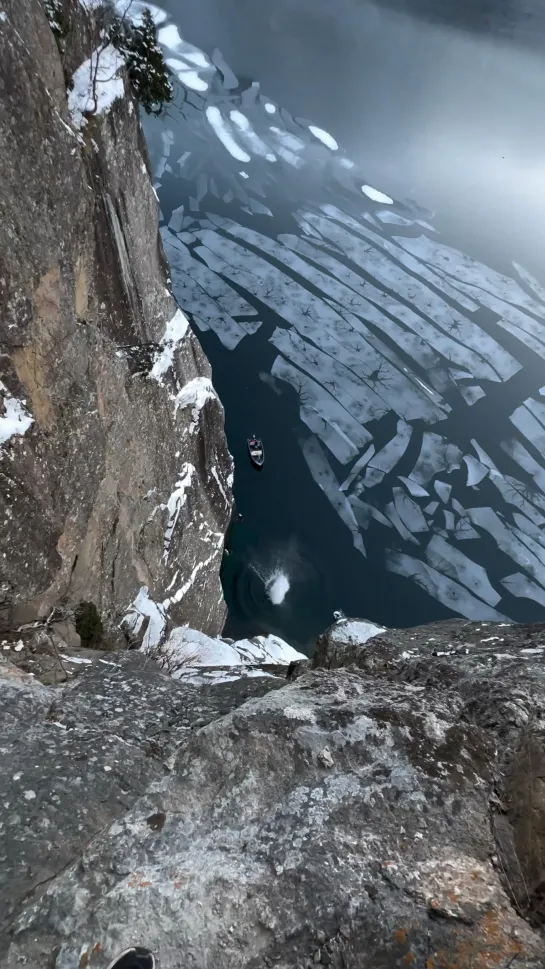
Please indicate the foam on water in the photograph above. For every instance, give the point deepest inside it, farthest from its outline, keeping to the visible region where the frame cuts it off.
(277, 587)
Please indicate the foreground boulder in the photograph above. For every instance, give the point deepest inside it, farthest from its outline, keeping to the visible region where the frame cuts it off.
(386, 815)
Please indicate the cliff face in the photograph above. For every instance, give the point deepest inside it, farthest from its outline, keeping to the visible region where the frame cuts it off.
(388, 814)
(114, 466)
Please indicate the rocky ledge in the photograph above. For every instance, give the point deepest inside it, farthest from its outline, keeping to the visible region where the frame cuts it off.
(385, 813)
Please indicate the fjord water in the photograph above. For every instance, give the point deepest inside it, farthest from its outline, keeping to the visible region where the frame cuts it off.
(358, 241)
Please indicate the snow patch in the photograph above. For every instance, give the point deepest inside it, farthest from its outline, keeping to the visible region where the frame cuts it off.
(16, 419)
(144, 608)
(175, 331)
(96, 84)
(189, 647)
(195, 394)
(351, 632)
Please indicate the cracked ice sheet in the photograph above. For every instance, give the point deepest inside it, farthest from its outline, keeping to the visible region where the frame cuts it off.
(522, 587)
(387, 273)
(319, 322)
(352, 393)
(324, 477)
(386, 459)
(536, 408)
(423, 272)
(449, 348)
(449, 560)
(208, 298)
(436, 455)
(532, 283)
(527, 424)
(475, 470)
(468, 270)
(322, 414)
(518, 453)
(453, 595)
(357, 467)
(409, 511)
(508, 541)
(337, 290)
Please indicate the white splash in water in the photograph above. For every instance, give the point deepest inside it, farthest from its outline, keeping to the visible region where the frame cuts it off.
(277, 587)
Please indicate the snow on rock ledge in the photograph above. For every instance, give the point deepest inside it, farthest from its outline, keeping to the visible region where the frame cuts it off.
(341, 643)
(191, 655)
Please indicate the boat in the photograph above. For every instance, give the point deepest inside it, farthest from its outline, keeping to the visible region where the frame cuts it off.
(256, 452)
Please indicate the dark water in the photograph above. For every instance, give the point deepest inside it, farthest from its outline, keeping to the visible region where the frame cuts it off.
(338, 320)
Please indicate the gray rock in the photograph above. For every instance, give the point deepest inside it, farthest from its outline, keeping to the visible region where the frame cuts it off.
(391, 814)
(67, 633)
(83, 308)
(73, 761)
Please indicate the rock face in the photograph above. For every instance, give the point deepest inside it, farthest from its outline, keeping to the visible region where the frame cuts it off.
(384, 815)
(115, 470)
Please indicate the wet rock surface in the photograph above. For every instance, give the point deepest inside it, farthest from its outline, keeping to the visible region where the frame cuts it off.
(94, 447)
(385, 814)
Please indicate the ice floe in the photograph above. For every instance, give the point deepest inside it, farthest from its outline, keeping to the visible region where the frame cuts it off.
(376, 196)
(224, 133)
(324, 477)
(323, 136)
(450, 593)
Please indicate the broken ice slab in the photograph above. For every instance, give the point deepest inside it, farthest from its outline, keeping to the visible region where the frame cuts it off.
(531, 282)
(529, 426)
(357, 467)
(452, 594)
(508, 541)
(436, 455)
(338, 429)
(364, 512)
(414, 489)
(409, 512)
(464, 530)
(472, 394)
(518, 453)
(230, 81)
(431, 508)
(392, 452)
(394, 517)
(443, 490)
(449, 519)
(176, 219)
(522, 587)
(475, 470)
(451, 561)
(325, 478)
